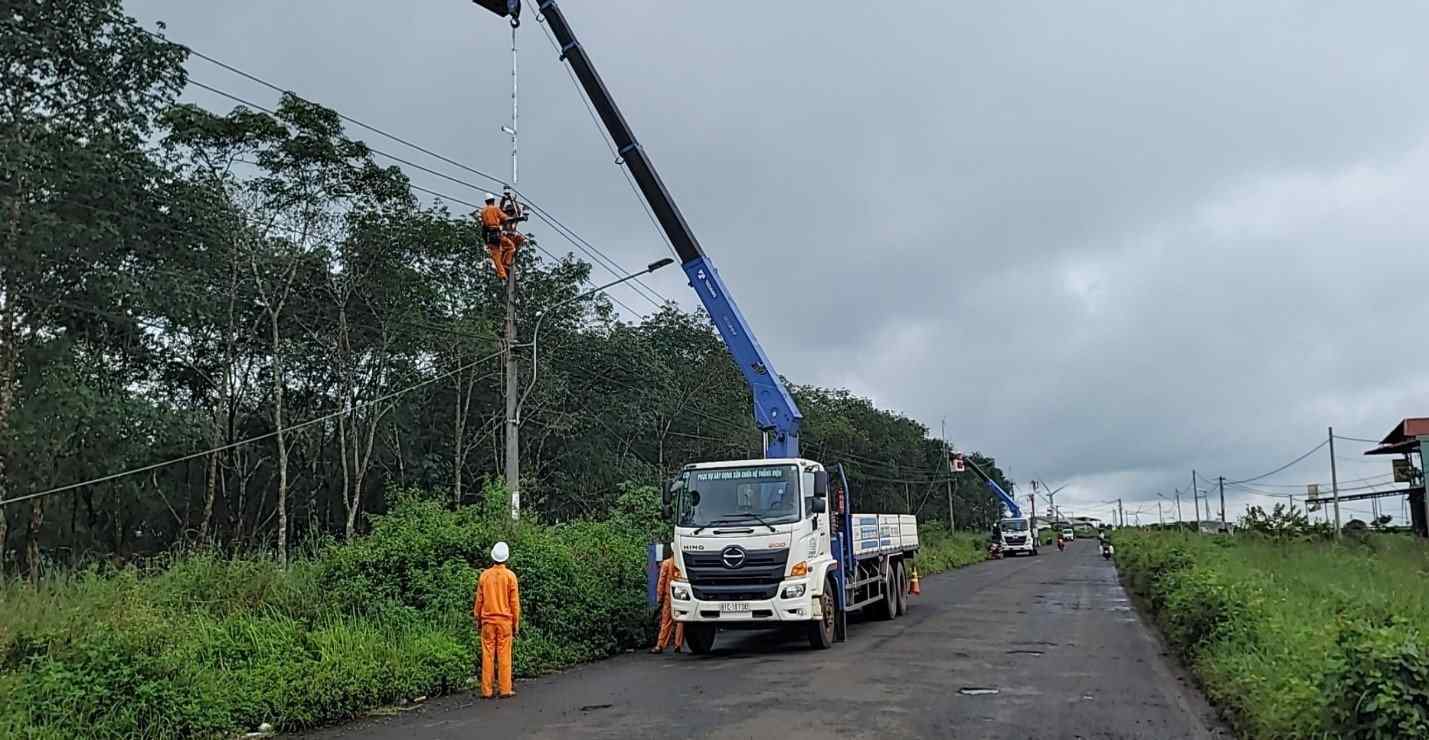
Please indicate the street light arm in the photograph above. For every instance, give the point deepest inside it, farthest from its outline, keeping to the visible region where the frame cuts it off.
(536, 330)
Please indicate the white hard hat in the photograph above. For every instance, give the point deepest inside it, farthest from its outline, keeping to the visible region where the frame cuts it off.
(500, 552)
(489, 196)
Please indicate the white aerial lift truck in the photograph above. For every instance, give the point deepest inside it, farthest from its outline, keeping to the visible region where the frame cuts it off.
(760, 543)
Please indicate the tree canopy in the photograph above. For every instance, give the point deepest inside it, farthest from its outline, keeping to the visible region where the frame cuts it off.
(254, 292)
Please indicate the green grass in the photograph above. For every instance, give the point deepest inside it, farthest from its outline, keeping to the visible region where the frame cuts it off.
(1295, 638)
(942, 550)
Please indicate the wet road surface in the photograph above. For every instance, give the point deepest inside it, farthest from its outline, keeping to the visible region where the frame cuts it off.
(1045, 647)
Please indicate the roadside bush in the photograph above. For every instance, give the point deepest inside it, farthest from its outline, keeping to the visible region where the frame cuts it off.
(1378, 686)
(943, 550)
(1294, 638)
(211, 646)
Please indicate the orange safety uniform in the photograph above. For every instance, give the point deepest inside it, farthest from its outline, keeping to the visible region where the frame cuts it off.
(671, 632)
(497, 610)
(500, 242)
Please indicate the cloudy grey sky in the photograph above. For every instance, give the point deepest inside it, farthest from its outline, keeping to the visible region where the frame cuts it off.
(1109, 242)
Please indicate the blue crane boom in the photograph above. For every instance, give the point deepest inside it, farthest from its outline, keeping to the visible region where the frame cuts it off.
(775, 412)
(1007, 499)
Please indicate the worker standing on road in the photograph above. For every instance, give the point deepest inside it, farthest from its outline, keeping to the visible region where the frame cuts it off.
(494, 231)
(498, 618)
(670, 630)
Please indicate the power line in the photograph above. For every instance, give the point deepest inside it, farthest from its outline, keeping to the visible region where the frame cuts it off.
(570, 234)
(581, 244)
(604, 137)
(441, 195)
(1312, 451)
(1375, 442)
(249, 440)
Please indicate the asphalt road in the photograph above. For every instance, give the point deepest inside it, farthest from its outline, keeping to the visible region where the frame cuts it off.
(1054, 637)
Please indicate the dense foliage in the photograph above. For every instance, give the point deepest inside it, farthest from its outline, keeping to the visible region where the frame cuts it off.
(1293, 638)
(210, 645)
(174, 280)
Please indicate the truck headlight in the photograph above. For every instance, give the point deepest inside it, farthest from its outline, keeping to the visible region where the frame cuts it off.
(794, 592)
(680, 592)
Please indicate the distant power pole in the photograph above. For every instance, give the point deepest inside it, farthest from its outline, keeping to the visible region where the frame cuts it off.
(1221, 481)
(952, 480)
(1159, 519)
(1120, 512)
(1196, 500)
(1178, 509)
(1334, 482)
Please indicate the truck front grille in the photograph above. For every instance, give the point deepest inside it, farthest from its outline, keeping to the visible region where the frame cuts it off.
(756, 579)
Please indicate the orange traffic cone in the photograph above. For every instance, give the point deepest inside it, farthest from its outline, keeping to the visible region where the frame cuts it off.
(913, 587)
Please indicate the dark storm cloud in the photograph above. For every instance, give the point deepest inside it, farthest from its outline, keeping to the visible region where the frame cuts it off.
(1110, 242)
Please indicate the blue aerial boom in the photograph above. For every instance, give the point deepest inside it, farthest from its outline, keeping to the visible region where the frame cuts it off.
(775, 412)
(1007, 500)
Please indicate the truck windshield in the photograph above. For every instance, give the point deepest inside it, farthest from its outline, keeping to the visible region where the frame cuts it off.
(1013, 525)
(730, 495)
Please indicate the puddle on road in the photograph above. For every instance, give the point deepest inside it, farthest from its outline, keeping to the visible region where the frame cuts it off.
(1024, 652)
(973, 691)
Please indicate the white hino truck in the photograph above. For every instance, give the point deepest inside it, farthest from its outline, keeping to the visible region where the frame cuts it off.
(770, 543)
(759, 542)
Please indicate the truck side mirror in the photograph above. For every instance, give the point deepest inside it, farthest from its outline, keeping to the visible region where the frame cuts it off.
(819, 505)
(821, 483)
(666, 499)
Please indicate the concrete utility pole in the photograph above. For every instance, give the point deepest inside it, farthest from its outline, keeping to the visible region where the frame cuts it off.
(1161, 520)
(1121, 513)
(1334, 482)
(513, 424)
(952, 523)
(1221, 481)
(1196, 500)
(1179, 522)
(513, 421)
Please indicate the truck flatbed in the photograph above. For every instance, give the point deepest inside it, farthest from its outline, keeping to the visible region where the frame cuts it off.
(883, 534)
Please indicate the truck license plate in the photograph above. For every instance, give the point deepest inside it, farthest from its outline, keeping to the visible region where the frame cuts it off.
(734, 606)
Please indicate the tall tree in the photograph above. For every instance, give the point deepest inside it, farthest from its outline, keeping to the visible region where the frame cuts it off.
(79, 90)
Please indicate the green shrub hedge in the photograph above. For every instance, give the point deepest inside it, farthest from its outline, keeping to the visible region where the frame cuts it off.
(214, 645)
(1295, 639)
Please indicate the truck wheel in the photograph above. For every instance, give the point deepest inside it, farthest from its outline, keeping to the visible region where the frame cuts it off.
(821, 633)
(700, 637)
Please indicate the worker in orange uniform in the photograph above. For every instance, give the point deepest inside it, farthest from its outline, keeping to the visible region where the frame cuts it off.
(670, 630)
(498, 617)
(496, 234)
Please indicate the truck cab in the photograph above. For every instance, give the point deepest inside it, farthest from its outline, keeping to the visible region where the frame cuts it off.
(768, 543)
(1016, 536)
(752, 541)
